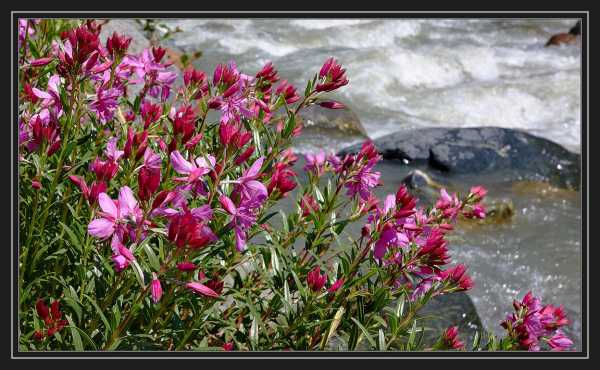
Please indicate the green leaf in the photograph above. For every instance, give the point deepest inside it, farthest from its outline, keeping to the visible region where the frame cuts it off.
(266, 218)
(75, 306)
(152, 258)
(76, 337)
(382, 346)
(476, 340)
(74, 240)
(365, 332)
(115, 345)
(411, 337)
(275, 260)
(286, 226)
(139, 274)
(102, 317)
(335, 323)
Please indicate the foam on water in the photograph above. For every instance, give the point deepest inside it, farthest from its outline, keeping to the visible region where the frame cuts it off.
(413, 73)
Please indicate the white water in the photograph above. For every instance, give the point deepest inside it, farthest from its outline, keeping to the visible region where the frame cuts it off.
(414, 73)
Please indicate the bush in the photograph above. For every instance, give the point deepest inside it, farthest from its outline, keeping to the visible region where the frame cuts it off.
(146, 224)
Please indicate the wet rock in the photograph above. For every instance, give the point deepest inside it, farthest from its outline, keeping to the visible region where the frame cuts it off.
(449, 310)
(482, 150)
(344, 120)
(328, 129)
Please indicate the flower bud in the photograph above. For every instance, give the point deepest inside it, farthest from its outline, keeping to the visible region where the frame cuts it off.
(155, 289)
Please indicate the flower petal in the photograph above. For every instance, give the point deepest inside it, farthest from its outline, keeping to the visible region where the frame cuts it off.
(253, 171)
(228, 204)
(101, 228)
(107, 205)
(180, 164)
(127, 201)
(201, 289)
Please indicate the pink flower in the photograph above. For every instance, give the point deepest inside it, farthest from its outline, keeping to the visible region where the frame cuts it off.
(195, 169)
(560, 342)
(155, 289)
(363, 181)
(477, 193)
(288, 91)
(308, 205)
(252, 192)
(51, 97)
(149, 175)
(186, 266)
(186, 230)
(282, 180)
(335, 286)
(112, 152)
(202, 289)
(228, 346)
(105, 103)
(457, 275)
(332, 105)
(315, 162)
(332, 76)
(243, 218)
(450, 338)
(150, 113)
(315, 280)
(117, 44)
(114, 214)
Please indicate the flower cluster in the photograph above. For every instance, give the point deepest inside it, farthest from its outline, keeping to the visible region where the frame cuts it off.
(52, 318)
(151, 211)
(533, 324)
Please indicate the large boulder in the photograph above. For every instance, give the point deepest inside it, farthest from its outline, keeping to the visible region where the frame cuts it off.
(481, 150)
(456, 309)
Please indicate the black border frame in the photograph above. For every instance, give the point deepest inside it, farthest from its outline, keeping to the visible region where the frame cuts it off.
(583, 15)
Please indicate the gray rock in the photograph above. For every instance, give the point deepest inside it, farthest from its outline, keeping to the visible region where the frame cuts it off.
(449, 310)
(482, 150)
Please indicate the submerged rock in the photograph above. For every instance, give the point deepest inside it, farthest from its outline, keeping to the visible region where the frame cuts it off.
(449, 310)
(328, 129)
(482, 150)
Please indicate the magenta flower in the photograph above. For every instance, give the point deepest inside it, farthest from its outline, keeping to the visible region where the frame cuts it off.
(363, 181)
(186, 266)
(243, 218)
(332, 105)
(51, 97)
(26, 29)
(155, 289)
(332, 76)
(450, 338)
(105, 103)
(288, 91)
(315, 162)
(335, 286)
(114, 215)
(560, 342)
(457, 275)
(252, 192)
(122, 256)
(112, 152)
(202, 289)
(149, 71)
(149, 175)
(194, 170)
(186, 230)
(389, 237)
(315, 280)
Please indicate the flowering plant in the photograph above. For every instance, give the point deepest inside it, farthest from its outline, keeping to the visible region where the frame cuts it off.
(149, 208)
